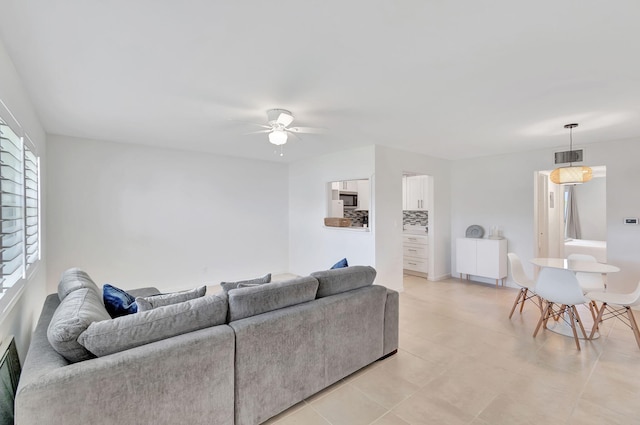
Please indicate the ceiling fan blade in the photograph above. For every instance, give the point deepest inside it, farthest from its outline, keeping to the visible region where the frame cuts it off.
(285, 119)
(309, 130)
(257, 132)
(250, 122)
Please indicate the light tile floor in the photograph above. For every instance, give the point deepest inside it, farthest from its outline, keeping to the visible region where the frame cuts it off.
(462, 361)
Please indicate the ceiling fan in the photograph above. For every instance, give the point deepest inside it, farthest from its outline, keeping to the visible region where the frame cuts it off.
(278, 122)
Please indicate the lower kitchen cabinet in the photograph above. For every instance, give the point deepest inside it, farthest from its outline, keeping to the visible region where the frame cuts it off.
(415, 254)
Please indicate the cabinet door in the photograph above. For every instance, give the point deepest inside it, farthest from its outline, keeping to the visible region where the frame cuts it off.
(491, 258)
(466, 256)
(363, 194)
(413, 193)
(349, 186)
(424, 192)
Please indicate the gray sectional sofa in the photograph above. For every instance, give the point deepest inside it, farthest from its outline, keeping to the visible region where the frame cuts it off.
(278, 344)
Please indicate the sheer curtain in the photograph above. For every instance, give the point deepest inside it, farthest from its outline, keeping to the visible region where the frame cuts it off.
(572, 221)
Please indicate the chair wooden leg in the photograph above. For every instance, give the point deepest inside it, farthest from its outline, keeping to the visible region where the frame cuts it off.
(563, 309)
(516, 303)
(524, 298)
(540, 304)
(542, 319)
(579, 320)
(634, 325)
(593, 308)
(573, 327)
(598, 320)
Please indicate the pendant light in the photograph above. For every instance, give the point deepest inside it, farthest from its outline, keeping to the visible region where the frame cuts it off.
(571, 174)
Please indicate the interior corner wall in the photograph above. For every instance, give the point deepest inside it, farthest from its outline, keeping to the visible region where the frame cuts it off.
(389, 165)
(21, 318)
(498, 191)
(134, 216)
(312, 246)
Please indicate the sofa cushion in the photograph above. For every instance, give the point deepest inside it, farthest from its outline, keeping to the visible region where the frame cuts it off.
(227, 286)
(117, 301)
(340, 264)
(74, 279)
(251, 301)
(149, 303)
(73, 316)
(122, 333)
(335, 281)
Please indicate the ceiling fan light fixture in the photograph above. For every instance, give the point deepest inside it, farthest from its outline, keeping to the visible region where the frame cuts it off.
(279, 117)
(571, 174)
(278, 137)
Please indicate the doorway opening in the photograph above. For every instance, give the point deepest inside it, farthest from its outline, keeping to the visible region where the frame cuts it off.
(571, 219)
(417, 224)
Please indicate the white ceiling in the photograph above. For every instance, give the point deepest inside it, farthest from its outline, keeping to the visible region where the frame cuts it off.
(451, 79)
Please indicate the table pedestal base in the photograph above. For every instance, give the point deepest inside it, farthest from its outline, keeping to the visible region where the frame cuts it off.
(563, 328)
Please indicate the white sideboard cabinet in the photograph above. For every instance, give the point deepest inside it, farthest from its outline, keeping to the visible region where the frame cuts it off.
(482, 257)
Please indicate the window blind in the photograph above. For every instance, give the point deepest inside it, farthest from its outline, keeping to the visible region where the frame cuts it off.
(19, 207)
(31, 207)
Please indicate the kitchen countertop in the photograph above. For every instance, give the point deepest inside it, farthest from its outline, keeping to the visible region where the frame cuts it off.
(414, 230)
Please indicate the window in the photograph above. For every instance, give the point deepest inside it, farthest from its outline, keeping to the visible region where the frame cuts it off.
(19, 207)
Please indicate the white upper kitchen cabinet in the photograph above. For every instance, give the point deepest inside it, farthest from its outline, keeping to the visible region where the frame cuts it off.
(363, 194)
(416, 193)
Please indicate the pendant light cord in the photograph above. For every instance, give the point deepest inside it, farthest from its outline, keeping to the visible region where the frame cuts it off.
(570, 127)
(571, 147)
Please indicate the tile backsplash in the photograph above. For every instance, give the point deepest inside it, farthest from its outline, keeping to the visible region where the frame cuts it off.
(357, 216)
(415, 218)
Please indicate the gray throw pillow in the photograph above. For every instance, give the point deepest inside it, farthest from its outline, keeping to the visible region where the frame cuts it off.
(125, 332)
(74, 279)
(246, 302)
(227, 286)
(75, 313)
(155, 301)
(335, 281)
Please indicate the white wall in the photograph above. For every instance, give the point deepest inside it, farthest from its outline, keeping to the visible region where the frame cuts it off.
(132, 215)
(390, 164)
(498, 190)
(20, 319)
(591, 198)
(312, 246)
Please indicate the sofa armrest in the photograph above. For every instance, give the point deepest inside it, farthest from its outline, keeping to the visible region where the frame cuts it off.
(184, 379)
(391, 322)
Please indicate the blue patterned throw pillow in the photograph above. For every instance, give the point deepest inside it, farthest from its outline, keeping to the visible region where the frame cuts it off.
(118, 302)
(340, 264)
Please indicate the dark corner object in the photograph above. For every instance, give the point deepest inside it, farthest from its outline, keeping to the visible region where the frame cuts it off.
(9, 376)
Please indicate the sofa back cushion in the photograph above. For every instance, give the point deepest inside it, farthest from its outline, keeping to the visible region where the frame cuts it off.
(74, 279)
(125, 332)
(339, 280)
(160, 300)
(251, 301)
(227, 286)
(75, 313)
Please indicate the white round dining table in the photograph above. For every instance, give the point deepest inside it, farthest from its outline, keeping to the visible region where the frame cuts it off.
(575, 265)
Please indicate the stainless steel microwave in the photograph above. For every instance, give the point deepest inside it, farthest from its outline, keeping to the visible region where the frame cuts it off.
(350, 200)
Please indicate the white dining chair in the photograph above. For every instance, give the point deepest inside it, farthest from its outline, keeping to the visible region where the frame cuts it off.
(617, 305)
(589, 281)
(561, 292)
(527, 285)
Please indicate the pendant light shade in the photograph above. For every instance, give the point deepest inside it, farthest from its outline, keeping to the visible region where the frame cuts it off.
(571, 174)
